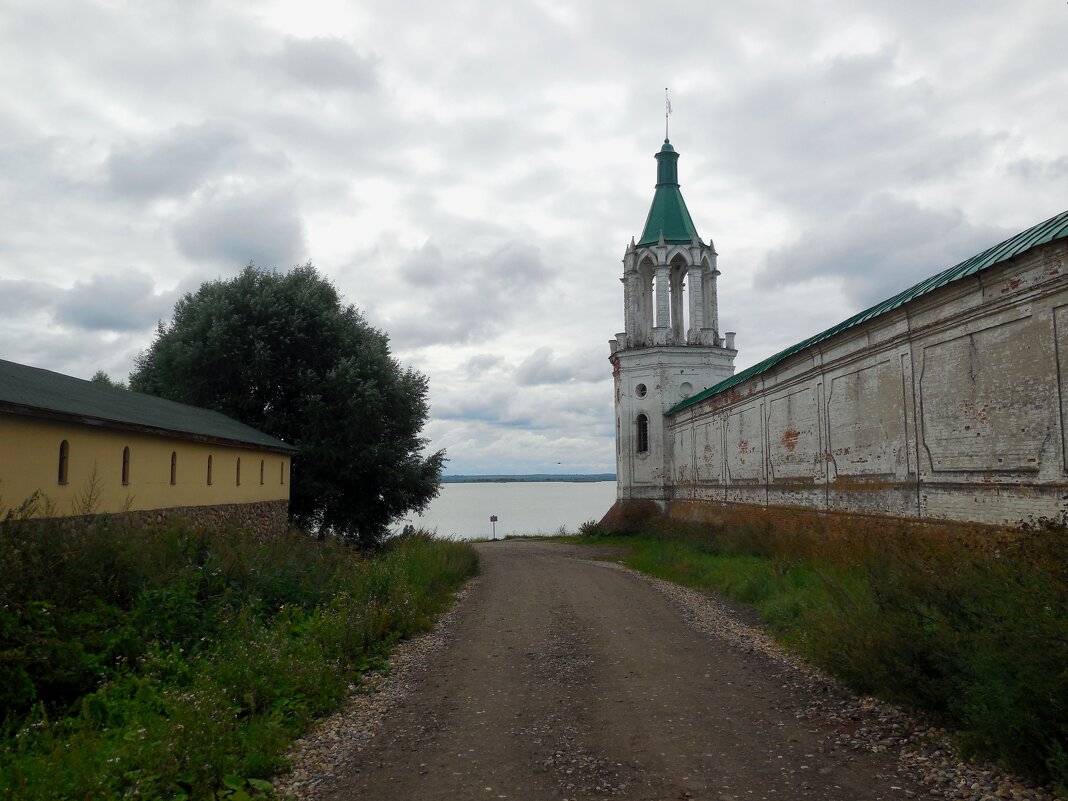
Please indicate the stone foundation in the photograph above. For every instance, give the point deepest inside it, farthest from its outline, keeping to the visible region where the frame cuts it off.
(639, 515)
(629, 514)
(264, 518)
(788, 518)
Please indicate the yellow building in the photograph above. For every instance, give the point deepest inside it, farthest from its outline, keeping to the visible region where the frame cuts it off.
(88, 448)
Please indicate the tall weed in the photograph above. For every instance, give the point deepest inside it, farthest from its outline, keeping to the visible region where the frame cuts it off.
(169, 662)
(968, 624)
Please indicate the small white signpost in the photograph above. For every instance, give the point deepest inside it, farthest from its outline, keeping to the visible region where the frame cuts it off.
(493, 520)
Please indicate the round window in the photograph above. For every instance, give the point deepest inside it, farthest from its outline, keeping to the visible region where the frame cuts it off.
(686, 389)
(640, 390)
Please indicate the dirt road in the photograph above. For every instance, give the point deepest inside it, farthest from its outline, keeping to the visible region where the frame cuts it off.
(565, 678)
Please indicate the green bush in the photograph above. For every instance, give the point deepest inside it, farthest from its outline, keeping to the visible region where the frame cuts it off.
(591, 529)
(178, 662)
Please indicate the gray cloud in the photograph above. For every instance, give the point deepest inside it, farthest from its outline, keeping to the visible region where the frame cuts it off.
(564, 410)
(881, 248)
(20, 298)
(81, 356)
(1039, 169)
(125, 302)
(540, 367)
(572, 409)
(262, 226)
(428, 267)
(821, 138)
(480, 364)
(463, 297)
(327, 63)
(487, 406)
(175, 163)
(104, 303)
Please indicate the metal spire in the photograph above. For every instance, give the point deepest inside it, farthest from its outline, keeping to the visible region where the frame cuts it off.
(667, 111)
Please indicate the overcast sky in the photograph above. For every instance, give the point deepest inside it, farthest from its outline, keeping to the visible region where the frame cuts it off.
(469, 173)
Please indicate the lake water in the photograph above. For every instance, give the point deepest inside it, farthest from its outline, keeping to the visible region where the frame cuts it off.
(462, 511)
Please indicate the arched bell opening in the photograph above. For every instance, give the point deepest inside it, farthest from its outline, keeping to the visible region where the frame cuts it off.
(646, 300)
(709, 299)
(679, 306)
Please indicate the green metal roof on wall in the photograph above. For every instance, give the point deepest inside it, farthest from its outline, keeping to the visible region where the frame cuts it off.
(668, 214)
(1048, 231)
(31, 389)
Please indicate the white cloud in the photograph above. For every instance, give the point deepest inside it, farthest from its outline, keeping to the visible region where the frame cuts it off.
(472, 187)
(879, 248)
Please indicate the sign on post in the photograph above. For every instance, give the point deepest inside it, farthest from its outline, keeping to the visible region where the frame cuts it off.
(493, 520)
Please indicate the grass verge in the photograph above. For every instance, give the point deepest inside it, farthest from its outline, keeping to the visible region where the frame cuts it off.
(179, 662)
(970, 627)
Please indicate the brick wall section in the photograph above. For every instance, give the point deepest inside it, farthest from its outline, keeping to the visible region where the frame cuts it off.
(954, 406)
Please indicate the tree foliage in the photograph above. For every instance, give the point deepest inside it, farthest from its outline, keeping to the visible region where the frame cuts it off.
(100, 377)
(281, 353)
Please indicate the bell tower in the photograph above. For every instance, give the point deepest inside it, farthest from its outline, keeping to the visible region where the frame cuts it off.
(671, 346)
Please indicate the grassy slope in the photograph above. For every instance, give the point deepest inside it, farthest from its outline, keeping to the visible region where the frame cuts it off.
(180, 663)
(977, 636)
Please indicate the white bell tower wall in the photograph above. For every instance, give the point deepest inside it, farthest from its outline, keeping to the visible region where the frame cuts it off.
(670, 349)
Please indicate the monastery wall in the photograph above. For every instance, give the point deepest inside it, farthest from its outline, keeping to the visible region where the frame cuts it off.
(953, 406)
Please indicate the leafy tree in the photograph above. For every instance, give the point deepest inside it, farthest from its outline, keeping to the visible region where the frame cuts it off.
(281, 353)
(100, 377)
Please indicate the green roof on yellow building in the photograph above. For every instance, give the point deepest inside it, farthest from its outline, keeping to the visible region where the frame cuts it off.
(42, 393)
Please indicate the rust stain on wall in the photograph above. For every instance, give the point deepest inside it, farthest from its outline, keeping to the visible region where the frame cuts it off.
(975, 411)
(789, 440)
(1010, 285)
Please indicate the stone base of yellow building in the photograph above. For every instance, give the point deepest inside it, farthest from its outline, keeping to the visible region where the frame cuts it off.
(264, 518)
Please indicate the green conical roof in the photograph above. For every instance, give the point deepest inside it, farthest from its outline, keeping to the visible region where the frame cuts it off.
(668, 214)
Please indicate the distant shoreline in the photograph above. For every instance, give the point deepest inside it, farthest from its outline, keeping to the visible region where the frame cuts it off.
(506, 479)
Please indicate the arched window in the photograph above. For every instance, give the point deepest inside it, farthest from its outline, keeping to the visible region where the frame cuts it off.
(643, 433)
(64, 459)
(238, 471)
(174, 468)
(261, 472)
(209, 469)
(125, 466)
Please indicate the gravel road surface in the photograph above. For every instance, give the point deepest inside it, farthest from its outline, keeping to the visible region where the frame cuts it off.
(561, 677)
